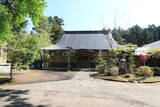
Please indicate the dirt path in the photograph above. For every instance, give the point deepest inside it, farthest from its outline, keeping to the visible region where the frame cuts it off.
(36, 76)
(81, 91)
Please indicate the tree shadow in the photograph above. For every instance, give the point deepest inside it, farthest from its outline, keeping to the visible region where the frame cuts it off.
(13, 96)
(5, 80)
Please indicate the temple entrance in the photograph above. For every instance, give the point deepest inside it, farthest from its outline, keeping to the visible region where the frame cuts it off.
(84, 58)
(83, 62)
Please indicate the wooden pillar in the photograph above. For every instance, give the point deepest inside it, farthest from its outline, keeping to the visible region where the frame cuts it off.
(89, 60)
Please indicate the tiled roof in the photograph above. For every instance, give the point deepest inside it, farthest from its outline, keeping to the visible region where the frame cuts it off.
(93, 40)
(144, 49)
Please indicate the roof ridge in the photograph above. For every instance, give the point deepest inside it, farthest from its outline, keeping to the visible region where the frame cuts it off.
(84, 32)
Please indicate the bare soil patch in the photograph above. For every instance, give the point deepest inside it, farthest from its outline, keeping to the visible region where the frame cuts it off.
(35, 76)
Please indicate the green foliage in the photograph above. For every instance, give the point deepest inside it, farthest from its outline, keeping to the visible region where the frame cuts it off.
(124, 49)
(106, 65)
(154, 52)
(43, 39)
(52, 26)
(117, 35)
(112, 64)
(24, 67)
(125, 52)
(100, 57)
(13, 14)
(108, 68)
(5, 28)
(113, 71)
(137, 35)
(144, 71)
(23, 51)
(101, 66)
(156, 71)
(56, 29)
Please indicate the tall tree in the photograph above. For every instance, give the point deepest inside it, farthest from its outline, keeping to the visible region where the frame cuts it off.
(52, 26)
(13, 15)
(118, 35)
(154, 30)
(135, 35)
(56, 28)
(23, 50)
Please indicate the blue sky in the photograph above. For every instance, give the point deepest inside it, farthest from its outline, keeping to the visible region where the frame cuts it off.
(95, 14)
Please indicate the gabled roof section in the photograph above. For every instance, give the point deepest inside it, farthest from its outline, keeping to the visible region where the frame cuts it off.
(153, 45)
(93, 40)
(144, 49)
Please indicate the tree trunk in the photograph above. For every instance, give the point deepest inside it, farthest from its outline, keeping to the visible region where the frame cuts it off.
(11, 72)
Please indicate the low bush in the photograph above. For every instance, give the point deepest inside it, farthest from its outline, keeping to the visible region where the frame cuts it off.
(144, 71)
(24, 67)
(100, 68)
(156, 71)
(112, 71)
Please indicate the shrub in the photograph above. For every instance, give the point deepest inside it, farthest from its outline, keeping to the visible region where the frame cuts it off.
(112, 71)
(142, 58)
(156, 71)
(144, 71)
(100, 68)
(24, 67)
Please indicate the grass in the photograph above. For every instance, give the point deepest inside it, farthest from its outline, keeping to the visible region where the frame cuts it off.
(152, 80)
(127, 78)
(4, 74)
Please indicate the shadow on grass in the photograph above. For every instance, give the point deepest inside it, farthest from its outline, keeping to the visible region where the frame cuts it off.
(16, 100)
(5, 80)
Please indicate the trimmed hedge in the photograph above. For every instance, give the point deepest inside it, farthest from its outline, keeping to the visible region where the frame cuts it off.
(144, 71)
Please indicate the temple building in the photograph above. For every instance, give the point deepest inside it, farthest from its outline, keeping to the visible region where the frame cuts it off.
(77, 49)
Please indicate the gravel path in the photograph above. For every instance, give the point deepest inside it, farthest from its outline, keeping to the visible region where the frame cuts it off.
(81, 91)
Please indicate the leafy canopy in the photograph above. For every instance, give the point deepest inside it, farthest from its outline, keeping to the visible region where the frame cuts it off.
(137, 35)
(13, 14)
(24, 50)
(52, 26)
